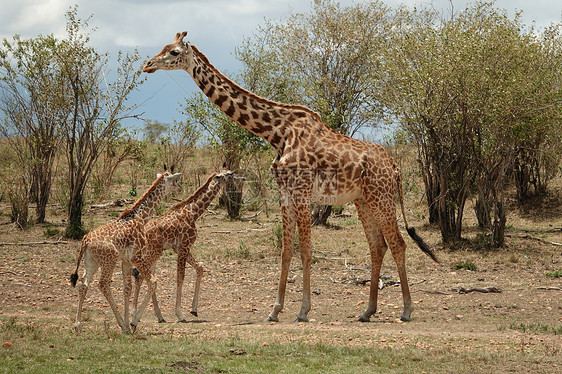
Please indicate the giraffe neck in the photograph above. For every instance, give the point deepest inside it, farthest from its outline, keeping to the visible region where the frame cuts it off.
(145, 207)
(269, 120)
(197, 203)
(198, 206)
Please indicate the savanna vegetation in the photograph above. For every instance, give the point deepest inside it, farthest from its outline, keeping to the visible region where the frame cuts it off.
(471, 103)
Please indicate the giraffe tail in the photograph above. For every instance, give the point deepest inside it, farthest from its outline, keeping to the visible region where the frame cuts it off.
(74, 276)
(412, 231)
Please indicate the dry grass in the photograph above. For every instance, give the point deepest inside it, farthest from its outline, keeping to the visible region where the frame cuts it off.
(517, 330)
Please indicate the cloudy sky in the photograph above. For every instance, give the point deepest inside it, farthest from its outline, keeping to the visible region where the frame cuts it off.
(217, 27)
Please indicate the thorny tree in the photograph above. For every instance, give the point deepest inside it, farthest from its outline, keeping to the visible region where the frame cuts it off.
(34, 109)
(97, 109)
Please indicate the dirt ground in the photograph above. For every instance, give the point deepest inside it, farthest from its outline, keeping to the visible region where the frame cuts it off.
(242, 269)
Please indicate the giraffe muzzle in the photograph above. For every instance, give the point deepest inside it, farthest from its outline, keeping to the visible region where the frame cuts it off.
(148, 68)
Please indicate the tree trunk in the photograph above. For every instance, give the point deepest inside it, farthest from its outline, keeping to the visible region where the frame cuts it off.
(522, 173)
(450, 213)
(232, 199)
(482, 210)
(19, 201)
(320, 215)
(498, 230)
(74, 228)
(431, 183)
(43, 199)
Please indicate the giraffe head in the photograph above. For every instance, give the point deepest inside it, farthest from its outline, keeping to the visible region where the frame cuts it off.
(170, 180)
(173, 57)
(227, 176)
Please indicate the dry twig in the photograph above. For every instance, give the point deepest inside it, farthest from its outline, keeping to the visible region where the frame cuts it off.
(37, 243)
(527, 236)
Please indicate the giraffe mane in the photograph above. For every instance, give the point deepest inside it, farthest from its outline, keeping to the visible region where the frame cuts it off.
(195, 195)
(261, 99)
(127, 213)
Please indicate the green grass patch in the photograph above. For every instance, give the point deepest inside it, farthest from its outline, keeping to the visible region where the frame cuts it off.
(48, 347)
(555, 274)
(49, 232)
(466, 265)
(536, 328)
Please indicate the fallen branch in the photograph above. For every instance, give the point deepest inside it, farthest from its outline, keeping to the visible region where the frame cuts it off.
(250, 217)
(548, 288)
(114, 203)
(237, 231)
(341, 215)
(13, 273)
(527, 236)
(37, 243)
(463, 290)
(438, 292)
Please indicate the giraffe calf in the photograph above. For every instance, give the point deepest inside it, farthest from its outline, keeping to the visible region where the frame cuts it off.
(176, 230)
(105, 245)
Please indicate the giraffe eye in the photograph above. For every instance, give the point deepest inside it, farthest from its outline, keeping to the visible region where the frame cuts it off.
(174, 53)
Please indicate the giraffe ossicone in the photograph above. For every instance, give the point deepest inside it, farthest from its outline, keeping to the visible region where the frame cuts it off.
(306, 148)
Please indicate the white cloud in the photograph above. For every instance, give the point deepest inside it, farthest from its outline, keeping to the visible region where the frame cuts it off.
(31, 17)
(216, 26)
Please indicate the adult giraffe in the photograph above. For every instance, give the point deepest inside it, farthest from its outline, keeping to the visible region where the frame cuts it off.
(314, 164)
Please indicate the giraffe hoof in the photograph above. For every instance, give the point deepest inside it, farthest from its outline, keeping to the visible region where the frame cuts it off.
(405, 319)
(271, 319)
(161, 320)
(364, 319)
(194, 312)
(301, 319)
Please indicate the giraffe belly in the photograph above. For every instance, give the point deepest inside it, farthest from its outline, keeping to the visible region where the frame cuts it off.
(334, 196)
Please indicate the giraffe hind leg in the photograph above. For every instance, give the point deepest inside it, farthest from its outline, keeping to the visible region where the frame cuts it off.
(90, 268)
(384, 211)
(303, 220)
(398, 250)
(105, 288)
(377, 247)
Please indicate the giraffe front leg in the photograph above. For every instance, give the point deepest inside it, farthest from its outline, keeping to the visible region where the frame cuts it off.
(179, 285)
(199, 275)
(127, 288)
(303, 219)
(155, 305)
(136, 290)
(138, 283)
(151, 281)
(289, 224)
